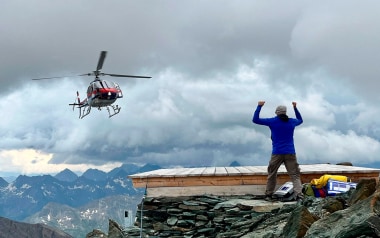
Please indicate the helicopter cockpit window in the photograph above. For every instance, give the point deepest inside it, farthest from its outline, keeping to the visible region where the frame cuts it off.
(98, 84)
(89, 90)
(108, 84)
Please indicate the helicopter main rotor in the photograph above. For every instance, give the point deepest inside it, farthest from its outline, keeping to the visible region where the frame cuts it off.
(102, 56)
(98, 72)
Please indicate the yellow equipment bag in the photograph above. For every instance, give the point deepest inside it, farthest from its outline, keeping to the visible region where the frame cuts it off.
(322, 181)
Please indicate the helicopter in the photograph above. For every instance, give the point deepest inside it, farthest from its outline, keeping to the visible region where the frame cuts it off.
(100, 93)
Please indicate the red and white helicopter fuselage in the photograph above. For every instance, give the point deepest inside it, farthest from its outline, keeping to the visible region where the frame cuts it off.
(100, 93)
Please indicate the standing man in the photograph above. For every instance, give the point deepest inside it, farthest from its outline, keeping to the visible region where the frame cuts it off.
(283, 151)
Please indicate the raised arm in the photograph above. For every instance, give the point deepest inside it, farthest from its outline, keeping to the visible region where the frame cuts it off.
(298, 114)
(256, 116)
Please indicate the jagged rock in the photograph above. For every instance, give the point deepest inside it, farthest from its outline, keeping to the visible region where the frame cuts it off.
(201, 218)
(231, 234)
(200, 223)
(132, 232)
(232, 211)
(299, 222)
(96, 234)
(256, 205)
(194, 203)
(206, 230)
(364, 189)
(333, 204)
(268, 225)
(10, 228)
(114, 230)
(159, 226)
(173, 211)
(212, 200)
(150, 207)
(188, 215)
(218, 219)
(192, 207)
(172, 220)
(158, 214)
(360, 220)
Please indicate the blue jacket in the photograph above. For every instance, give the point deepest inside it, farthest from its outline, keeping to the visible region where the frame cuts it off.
(282, 131)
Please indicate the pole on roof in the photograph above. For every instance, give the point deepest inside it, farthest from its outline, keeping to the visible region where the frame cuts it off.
(141, 211)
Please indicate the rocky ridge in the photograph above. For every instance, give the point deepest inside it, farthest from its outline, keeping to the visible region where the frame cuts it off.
(353, 214)
(11, 229)
(27, 195)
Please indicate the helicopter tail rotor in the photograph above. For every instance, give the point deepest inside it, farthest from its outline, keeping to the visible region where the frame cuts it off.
(80, 105)
(76, 101)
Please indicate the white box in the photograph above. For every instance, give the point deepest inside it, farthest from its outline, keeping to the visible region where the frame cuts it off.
(285, 190)
(339, 186)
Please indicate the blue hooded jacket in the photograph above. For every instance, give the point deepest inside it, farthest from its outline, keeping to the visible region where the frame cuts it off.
(282, 129)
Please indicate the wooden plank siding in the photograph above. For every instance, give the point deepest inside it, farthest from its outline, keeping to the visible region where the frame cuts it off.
(248, 178)
(220, 176)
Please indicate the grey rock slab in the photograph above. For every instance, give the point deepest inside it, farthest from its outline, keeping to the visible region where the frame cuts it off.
(257, 205)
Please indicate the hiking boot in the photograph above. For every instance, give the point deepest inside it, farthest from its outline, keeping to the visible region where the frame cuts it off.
(269, 198)
(299, 199)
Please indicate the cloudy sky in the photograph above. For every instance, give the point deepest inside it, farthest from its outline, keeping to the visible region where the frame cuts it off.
(210, 62)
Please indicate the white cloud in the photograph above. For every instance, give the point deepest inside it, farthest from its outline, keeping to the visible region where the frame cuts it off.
(341, 36)
(30, 161)
(314, 144)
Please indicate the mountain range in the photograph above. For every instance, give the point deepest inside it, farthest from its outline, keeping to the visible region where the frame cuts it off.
(71, 203)
(28, 195)
(81, 220)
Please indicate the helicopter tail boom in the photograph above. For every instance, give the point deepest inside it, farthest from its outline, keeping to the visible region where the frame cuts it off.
(81, 106)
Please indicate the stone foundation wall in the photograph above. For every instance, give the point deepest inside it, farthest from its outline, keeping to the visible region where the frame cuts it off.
(352, 214)
(204, 216)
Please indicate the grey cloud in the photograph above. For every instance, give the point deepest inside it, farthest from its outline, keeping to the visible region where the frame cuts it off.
(342, 37)
(210, 62)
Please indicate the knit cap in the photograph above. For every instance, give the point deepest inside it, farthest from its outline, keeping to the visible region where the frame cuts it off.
(280, 110)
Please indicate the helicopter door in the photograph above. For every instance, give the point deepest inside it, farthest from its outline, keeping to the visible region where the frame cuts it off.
(90, 90)
(119, 93)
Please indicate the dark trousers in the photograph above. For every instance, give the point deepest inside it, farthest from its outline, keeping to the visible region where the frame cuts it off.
(292, 167)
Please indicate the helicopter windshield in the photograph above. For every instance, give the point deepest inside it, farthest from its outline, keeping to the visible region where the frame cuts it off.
(104, 84)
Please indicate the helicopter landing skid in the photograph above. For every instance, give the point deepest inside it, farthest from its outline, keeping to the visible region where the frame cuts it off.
(84, 112)
(115, 108)
(112, 110)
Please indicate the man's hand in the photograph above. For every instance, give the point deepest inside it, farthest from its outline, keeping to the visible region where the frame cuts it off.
(294, 104)
(261, 103)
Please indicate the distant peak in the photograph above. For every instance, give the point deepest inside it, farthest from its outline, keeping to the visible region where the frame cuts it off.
(66, 175)
(234, 164)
